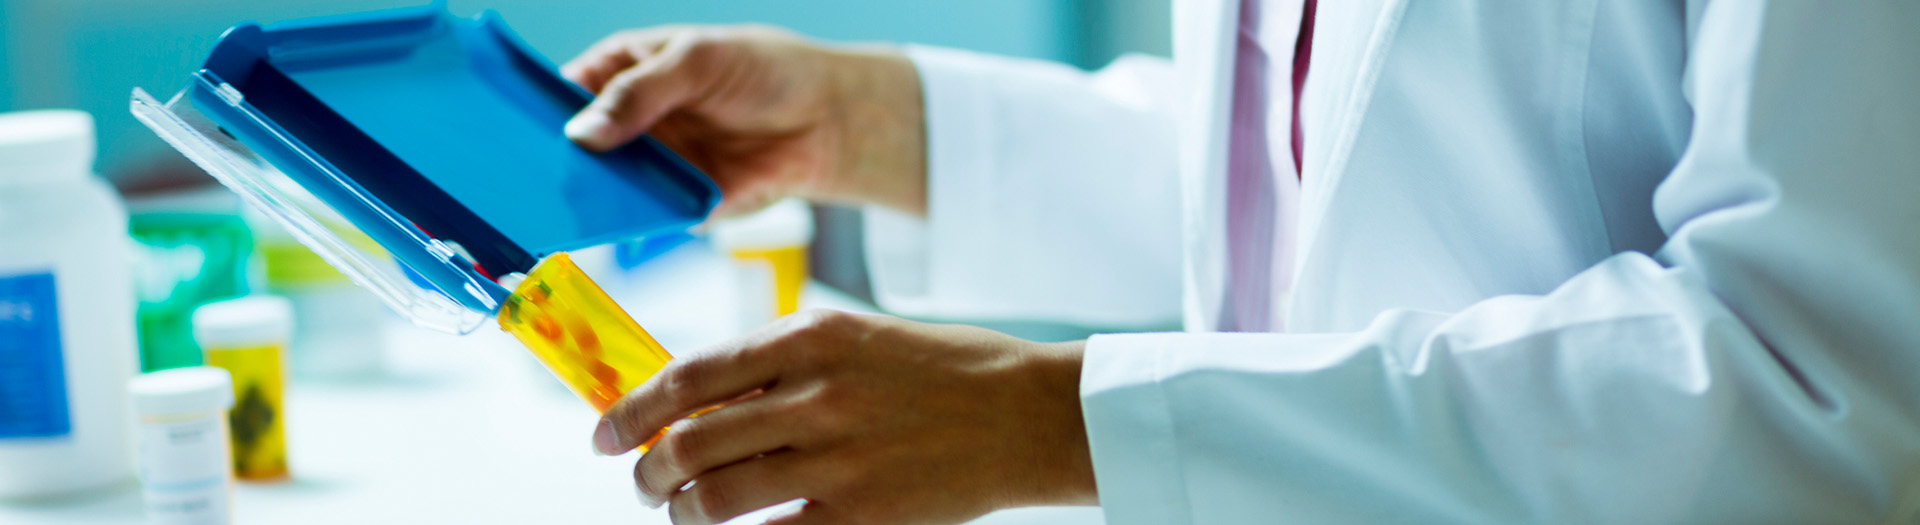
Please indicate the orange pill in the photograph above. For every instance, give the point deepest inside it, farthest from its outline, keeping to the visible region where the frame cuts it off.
(579, 333)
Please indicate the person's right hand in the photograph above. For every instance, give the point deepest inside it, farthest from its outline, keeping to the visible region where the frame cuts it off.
(766, 114)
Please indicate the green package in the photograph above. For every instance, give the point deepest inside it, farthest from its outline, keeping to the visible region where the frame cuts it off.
(186, 259)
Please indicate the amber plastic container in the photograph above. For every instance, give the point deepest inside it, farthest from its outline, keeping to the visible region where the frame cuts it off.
(579, 333)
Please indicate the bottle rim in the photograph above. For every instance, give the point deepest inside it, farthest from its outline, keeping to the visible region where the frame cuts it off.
(38, 145)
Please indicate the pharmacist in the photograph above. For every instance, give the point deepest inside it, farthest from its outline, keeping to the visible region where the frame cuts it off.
(1589, 261)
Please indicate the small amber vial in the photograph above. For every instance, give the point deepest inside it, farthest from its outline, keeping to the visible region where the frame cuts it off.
(579, 333)
(769, 251)
(248, 337)
(789, 265)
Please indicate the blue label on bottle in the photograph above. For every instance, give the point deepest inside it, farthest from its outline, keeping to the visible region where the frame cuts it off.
(33, 376)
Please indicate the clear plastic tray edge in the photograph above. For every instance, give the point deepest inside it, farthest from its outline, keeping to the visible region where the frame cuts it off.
(257, 182)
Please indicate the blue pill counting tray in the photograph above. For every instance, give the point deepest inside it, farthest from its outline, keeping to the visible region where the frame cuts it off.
(437, 137)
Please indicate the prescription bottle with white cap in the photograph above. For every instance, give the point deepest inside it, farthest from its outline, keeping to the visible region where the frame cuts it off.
(248, 337)
(67, 341)
(185, 474)
(769, 253)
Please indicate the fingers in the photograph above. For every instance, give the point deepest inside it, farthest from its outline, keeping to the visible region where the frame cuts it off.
(639, 96)
(743, 487)
(742, 202)
(738, 432)
(615, 53)
(592, 69)
(687, 385)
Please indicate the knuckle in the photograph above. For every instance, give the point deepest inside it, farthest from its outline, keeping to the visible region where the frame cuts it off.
(830, 318)
(680, 384)
(705, 46)
(824, 338)
(834, 396)
(645, 482)
(810, 318)
(679, 511)
(686, 443)
(619, 95)
(835, 406)
(794, 331)
(817, 322)
(711, 500)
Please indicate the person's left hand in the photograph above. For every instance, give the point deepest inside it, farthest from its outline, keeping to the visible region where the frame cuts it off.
(871, 419)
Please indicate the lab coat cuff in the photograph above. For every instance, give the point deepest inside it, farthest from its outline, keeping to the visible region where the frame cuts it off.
(1130, 429)
(905, 253)
(896, 252)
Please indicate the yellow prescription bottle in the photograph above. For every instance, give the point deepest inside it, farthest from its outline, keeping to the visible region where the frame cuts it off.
(248, 337)
(579, 333)
(769, 252)
(581, 336)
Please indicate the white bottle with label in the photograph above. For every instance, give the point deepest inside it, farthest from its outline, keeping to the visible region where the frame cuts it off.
(67, 343)
(186, 463)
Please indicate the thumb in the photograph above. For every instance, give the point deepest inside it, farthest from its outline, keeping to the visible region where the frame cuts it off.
(638, 97)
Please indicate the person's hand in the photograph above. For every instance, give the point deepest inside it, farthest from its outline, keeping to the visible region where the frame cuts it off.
(871, 419)
(766, 114)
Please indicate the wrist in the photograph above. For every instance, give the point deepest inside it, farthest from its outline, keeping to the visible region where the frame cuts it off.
(1067, 465)
(879, 113)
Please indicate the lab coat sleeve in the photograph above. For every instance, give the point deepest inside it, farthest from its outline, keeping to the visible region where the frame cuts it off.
(1760, 368)
(1052, 194)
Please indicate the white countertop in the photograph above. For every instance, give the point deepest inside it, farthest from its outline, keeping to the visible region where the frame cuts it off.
(470, 429)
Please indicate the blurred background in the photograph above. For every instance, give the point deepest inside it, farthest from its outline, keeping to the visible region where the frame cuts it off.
(370, 401)
(88, 54)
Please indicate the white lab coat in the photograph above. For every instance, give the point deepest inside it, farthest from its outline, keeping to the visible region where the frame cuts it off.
(1572, 261)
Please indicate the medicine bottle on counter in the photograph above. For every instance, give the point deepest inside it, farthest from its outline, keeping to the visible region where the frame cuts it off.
(67, 341)
(769, 253)
(248, 337)
(185, 473)
(338, 328)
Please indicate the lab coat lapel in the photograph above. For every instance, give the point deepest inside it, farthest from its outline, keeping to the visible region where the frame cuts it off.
(1203, 54)
(1350, 44)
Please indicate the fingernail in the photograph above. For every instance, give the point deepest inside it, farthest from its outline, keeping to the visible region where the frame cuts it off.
(589, 127)
(605, 440)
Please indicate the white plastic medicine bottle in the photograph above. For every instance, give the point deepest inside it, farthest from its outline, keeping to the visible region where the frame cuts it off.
(185, 475)
(66, 311)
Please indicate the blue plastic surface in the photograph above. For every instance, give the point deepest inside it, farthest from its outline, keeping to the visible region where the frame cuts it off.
(451, 125)
(631, 254)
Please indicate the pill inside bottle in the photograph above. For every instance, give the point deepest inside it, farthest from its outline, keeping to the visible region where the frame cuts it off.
(579, 333)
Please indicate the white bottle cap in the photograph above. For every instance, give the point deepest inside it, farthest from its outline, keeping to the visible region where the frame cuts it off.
(254, 320)
(785, 224)
(181, 391)
(45, 143)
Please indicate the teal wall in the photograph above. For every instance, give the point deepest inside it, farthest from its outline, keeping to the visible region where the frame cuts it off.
(89, 54)
(6, 80)
(1020, 27)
